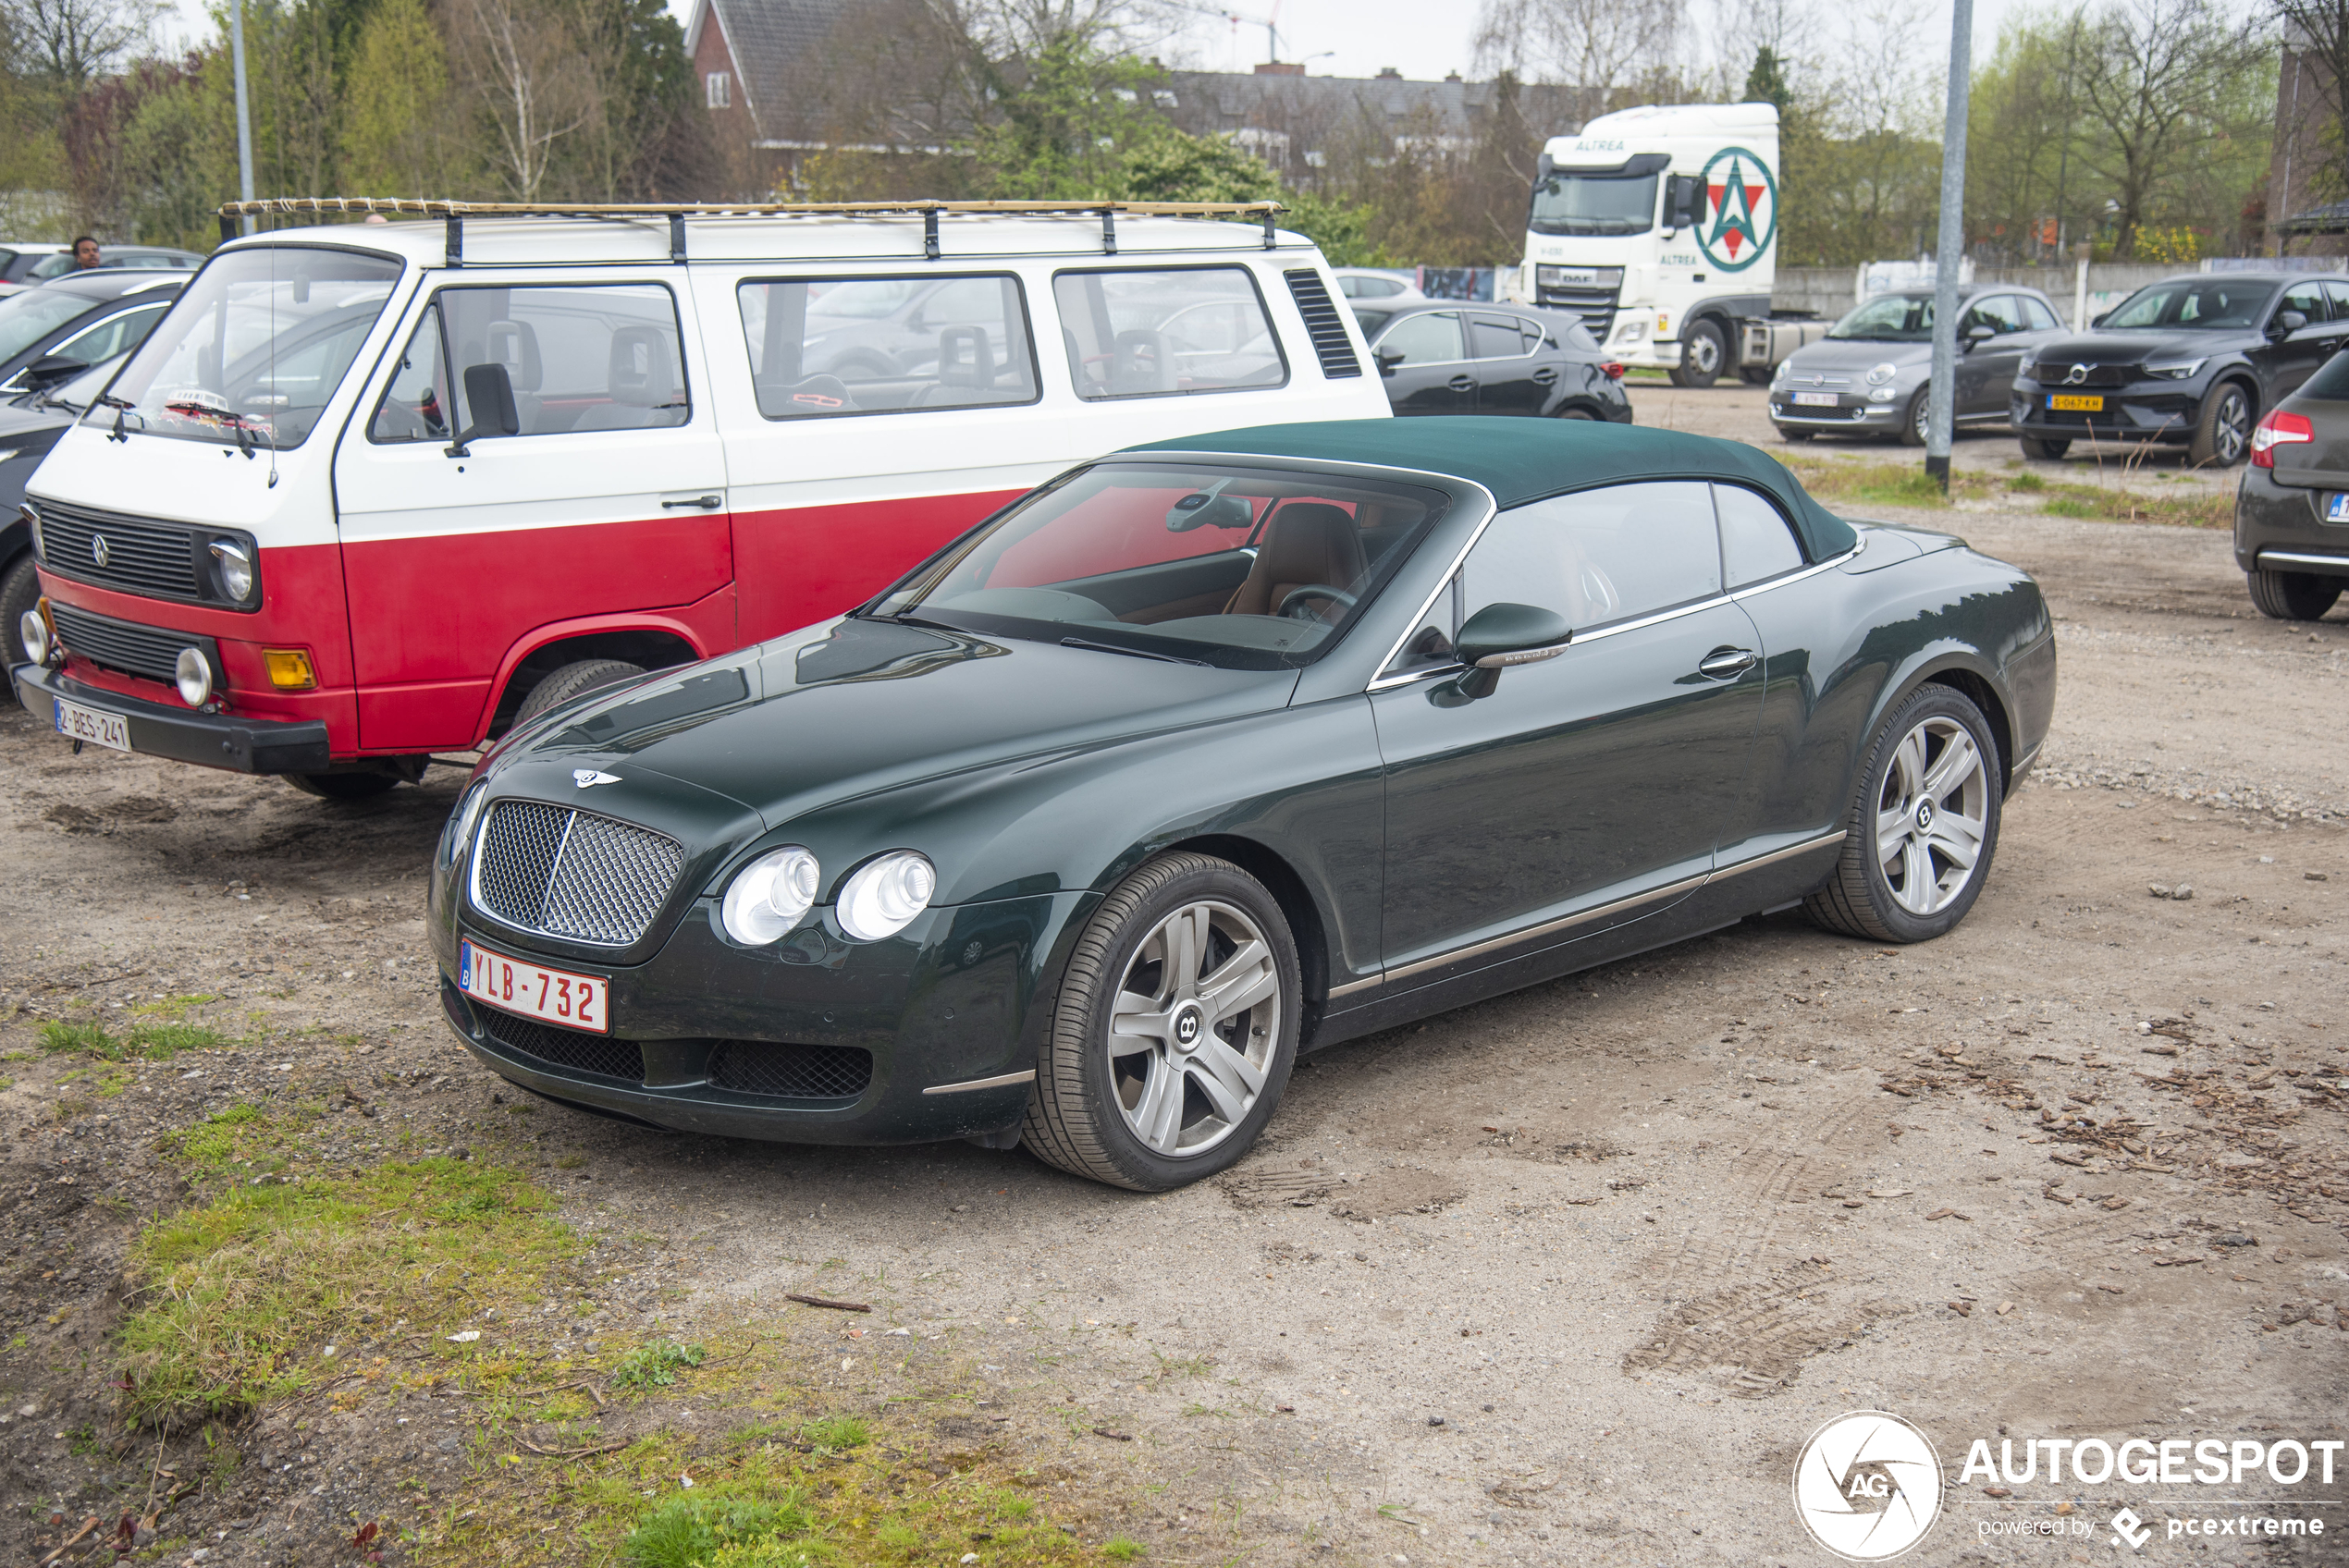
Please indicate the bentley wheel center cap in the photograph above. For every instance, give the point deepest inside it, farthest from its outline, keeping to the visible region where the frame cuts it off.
(1189, 1024)
(1924, 816)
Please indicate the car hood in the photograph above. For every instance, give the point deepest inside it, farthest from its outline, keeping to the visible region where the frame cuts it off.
(856, 706)
(2137, 348)
(19, 424)
(1854, 356)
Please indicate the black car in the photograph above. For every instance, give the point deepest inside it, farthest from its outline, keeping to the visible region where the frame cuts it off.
(2292, 508)
(1456, 359)
(77, 322)
(30, 265)
(1203, 755)
(2189, 362)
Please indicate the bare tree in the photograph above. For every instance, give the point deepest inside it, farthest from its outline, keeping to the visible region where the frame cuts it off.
(74, 41)
(529, 71)
(1606, 44)
(2159, 78)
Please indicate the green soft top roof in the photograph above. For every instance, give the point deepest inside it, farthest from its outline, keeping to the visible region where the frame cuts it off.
(1525, 459)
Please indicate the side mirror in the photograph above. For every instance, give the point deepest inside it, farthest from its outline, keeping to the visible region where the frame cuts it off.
(1683, 201)
(1388, 360)
(1980, 332)
(2287, 323)
(48, 370)
(1500, 635)
(2098, 319)
(489, 393)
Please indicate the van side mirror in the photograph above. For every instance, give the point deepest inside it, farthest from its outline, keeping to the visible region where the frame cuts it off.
(1683, 201)
(489, 393)
(1504, 634)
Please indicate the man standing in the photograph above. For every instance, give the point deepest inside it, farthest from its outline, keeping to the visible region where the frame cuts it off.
(85, 254)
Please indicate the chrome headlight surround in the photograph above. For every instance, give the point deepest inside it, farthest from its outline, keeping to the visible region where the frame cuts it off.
(772, 895)
(2176, 369)
(1882, 373)
(884, 895)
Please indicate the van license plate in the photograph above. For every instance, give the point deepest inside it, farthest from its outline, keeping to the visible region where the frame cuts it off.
(2072, 402)
(2337, 508)
(78, 723)
(573, 1001)
(1815, 399)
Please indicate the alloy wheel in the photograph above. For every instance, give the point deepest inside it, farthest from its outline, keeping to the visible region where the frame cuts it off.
(2231, 432)
(1194, 1028)
(1931, 814)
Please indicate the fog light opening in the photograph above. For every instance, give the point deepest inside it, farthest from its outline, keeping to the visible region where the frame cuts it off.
(194, 673)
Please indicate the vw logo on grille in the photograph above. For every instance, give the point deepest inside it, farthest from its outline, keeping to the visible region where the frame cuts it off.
(100, 551)
(2076, 375)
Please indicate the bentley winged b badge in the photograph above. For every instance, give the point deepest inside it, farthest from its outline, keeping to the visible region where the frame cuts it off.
(587, 778)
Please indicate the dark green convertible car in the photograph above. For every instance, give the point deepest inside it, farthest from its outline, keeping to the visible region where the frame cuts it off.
(1203, 755)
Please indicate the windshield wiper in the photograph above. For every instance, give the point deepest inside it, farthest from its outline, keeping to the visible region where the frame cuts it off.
(1131, 653)
(120, 407)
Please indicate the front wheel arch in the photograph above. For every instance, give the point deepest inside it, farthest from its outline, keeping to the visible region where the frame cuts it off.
(1307, 926)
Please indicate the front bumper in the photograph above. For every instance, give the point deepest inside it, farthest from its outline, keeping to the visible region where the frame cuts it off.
(2281, 527)
(207, 740)
(1852, 412)
(928, 1037)
(2138, 412)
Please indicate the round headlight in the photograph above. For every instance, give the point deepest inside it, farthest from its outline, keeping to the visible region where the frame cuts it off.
(459, 832)
(235, 568)
(1881, 373)
(33, 632)
(886, 894)
(768, 896)
(194, 674)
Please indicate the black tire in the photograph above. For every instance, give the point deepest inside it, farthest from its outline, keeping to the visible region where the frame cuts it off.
(2292, 595)
(1913, 422)
(2222, 435)
(2043, 450)
(1785, 434)
(343, 786)
(1755, 375)
(570, 680)
(1704, 354)
(1576, 412)
(1077, 1115)
(19, 591)
(1859, 899)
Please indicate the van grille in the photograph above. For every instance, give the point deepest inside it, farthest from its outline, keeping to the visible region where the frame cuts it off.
(573, 1049)
(1322, 325)
(119, 644)
(141, 556)
(572, 874)
(791, 1071)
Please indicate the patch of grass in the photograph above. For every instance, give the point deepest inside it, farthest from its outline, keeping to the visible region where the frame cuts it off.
(155, 1040)
(2126, 499)
(837, 1434)
(714, 1526)
(171, 1009)
(2026, 481)
(2071, 505)
(60, 1034)
(1121, 1549)
(655, 1365)
(241, 1291)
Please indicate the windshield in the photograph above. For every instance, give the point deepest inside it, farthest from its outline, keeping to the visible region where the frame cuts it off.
(1243, 568)
(1889, 318)
(255, 347)
(2196, 306)
(1593, 204)
(28, 317)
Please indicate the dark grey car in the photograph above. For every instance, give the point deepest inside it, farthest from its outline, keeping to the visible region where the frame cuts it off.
(1437, 357)
(1867, 377)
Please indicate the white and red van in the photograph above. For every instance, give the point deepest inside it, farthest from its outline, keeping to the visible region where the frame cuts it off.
(372, 489)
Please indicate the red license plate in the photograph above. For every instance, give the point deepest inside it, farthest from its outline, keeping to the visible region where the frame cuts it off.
(513, 984)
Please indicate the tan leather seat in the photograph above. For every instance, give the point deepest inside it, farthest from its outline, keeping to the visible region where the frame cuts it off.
(1307, 542)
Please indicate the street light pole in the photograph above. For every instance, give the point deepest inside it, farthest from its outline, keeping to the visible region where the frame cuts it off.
(244, 115)
(1941, 398)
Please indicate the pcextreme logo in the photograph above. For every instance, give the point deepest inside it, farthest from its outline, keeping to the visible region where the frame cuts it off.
(1867, 1486)
(1742, 200)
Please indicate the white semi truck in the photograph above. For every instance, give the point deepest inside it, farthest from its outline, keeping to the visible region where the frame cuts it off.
(1659, 227)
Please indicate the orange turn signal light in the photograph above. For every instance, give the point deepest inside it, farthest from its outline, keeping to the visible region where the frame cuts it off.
(289, 669)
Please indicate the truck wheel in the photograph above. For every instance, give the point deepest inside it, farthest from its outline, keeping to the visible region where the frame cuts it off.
(570, 680)
(2222, 435)
(19, 591)
(2292, 595)
(342, 786)
(1703, 354)
(2046, 451)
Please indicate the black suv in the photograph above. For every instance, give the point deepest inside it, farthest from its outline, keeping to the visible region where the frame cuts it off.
(2188, 362)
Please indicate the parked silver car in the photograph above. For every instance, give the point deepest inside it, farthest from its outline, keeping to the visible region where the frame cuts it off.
(1868, 375)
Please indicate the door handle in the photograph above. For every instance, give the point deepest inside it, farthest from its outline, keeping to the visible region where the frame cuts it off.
(1547, 375)
(707, 503)
(1462, 384)
(1726, 664)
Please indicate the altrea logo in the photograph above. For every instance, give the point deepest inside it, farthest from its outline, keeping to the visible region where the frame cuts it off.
(1867, 1486)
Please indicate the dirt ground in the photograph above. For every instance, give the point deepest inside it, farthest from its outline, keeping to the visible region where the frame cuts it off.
(1566, 1277)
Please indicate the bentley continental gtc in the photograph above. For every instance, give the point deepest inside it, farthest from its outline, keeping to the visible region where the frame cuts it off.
(1208, 754)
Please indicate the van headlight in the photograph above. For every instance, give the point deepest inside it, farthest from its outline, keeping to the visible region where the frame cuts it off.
(885, 894)
(771, 894)
(235, 568)
(193, 673)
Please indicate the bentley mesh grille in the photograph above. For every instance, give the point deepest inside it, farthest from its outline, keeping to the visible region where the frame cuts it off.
(142, 557)
(566, 873)
(805, 1072)
(573, 1049)
(1322, 325)
(119, 644)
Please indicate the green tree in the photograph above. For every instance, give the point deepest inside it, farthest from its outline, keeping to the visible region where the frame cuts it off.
(1767, 83)
(395, 133)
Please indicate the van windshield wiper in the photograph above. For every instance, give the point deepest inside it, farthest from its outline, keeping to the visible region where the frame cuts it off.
(120, 406)
(1131, 653)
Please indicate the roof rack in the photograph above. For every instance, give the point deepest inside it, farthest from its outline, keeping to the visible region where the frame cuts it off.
(455, 213)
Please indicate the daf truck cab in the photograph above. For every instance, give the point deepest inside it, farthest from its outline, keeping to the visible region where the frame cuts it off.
(1659, 227)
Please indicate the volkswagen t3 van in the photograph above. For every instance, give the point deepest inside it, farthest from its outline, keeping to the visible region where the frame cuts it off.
(372, 492)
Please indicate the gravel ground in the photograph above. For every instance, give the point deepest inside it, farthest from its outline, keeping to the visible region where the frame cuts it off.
(1566, 1277)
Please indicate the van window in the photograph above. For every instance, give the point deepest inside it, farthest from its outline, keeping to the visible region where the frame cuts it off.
(820, 347)
(1165, 330)
(580, 359)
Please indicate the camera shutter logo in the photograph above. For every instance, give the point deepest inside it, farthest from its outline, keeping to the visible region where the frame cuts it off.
(1867, 1486)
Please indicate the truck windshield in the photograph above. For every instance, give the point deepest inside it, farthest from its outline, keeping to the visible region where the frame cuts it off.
(1889, 318)
(1593, 204)
(253, 348)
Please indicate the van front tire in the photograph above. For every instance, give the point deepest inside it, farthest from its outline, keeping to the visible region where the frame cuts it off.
(572, 680)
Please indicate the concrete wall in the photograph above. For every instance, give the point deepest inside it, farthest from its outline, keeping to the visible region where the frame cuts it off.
(1830, 291)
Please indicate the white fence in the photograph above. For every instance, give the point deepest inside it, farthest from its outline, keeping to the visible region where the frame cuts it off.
(2081, 291)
